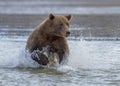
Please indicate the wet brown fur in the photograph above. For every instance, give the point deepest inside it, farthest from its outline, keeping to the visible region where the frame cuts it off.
(51, 31)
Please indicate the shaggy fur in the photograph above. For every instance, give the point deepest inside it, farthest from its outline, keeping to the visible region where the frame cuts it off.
(53, 32)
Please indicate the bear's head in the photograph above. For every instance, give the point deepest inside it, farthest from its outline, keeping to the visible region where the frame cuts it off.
(57, 25)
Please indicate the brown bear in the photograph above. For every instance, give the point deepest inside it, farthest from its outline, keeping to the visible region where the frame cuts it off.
(53, 32)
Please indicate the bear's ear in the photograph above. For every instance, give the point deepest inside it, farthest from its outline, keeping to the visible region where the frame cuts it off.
(69, 17)
(51, 16)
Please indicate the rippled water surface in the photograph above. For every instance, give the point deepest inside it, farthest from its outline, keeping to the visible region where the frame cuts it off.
(91, 63)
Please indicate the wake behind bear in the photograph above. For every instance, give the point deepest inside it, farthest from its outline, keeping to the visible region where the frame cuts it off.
(47, 43)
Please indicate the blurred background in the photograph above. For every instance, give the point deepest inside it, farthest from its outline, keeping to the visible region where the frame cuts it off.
(92, 19)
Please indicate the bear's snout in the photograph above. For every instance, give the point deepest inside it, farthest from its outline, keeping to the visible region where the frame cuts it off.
(67, 33)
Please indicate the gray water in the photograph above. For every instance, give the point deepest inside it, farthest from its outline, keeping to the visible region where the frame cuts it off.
(91, 63)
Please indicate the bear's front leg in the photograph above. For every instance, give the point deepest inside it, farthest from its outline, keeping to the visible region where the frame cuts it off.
(40, 58)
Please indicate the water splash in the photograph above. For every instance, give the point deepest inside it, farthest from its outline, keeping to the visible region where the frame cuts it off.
(13, 54)
(25, 60)
(83, 54)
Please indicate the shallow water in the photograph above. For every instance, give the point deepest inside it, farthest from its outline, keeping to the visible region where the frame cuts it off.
(93, 63)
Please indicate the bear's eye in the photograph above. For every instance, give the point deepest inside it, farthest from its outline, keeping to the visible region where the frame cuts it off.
(60, 25)
(67, 24)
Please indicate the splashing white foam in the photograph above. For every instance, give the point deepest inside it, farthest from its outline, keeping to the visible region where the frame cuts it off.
(13, 55)
(25, 59)
(82, 55)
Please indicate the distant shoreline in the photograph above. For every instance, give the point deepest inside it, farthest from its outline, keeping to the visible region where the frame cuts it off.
(60, 10)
